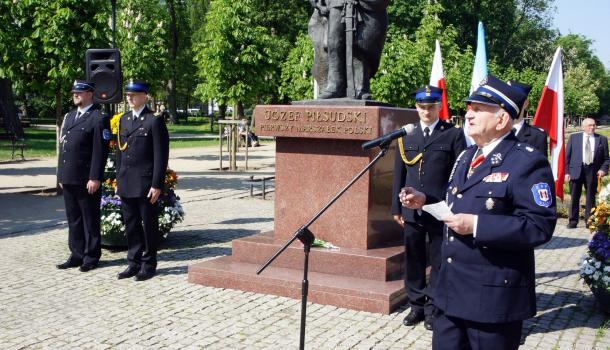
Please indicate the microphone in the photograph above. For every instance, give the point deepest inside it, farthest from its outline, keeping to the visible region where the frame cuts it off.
(389, 137)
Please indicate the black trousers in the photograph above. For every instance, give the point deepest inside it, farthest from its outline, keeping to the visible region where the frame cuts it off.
(418, 253)
(452, 333)
(83, 214)
(142, 225)
(588, 177)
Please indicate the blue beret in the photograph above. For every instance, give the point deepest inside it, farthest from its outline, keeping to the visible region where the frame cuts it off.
(82, 86)
(493, 91)
(427, 95)
(137, 86)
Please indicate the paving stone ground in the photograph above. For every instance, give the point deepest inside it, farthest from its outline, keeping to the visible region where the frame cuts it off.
(42, 307)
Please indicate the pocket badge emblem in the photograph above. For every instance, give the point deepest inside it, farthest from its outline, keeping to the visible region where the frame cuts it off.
(489, 204)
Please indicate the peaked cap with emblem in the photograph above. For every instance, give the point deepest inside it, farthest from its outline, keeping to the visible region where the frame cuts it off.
(427, 95)
(495, 92)
(137, 86)
(82, 86)
(521, 86)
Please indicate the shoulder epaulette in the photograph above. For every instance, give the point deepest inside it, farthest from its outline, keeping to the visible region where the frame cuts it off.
(524, 147)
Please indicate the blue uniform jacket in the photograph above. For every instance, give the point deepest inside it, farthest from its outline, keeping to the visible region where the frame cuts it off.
(431, 173)
(143, 162)
(490, 278)
(533, 136)
(82, 147)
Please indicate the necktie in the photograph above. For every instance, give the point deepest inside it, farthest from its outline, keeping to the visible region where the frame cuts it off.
(478, 158)
(588, 155)
(426, 134)
(77, 116)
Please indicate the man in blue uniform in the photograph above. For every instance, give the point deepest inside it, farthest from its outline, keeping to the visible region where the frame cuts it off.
(83, 148)
(502, 199)
(526, 133)
(423, 161)
(586, 159)
(142, 162)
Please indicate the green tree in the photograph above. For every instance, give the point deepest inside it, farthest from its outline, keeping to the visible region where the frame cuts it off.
(142, 37)
(580, 87)
(406, 63)
(46, 50)
(297, 80)
(238, 58)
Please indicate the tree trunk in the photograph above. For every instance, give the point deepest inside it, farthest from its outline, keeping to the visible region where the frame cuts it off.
(173, 53)
(239, 111)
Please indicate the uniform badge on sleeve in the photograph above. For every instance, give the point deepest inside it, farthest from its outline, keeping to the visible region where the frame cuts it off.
(106, 134)
(542, 194)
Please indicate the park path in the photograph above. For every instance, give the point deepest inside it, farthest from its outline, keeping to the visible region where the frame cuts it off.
(45, 308)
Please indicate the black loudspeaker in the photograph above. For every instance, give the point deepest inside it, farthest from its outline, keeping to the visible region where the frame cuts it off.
(104, 69)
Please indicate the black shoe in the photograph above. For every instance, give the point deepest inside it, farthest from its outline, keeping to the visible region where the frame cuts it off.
(571, 225)
(144, 275)
(87, 267)
(130, 271)
(429, 322)
(414, 317)
(68, 264)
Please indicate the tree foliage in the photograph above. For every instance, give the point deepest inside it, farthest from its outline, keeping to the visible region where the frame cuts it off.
(297, 80)
(42, 45)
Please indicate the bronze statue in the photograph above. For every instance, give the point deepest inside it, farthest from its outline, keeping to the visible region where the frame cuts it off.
(348, 37)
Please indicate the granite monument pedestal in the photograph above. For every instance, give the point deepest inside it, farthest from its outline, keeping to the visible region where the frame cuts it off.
(318, 150)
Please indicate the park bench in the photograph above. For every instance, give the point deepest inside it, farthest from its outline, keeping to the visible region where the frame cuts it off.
(263, 182)
(15, 143)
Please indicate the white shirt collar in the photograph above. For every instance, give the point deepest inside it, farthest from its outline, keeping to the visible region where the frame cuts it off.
(136, 113)
(518, 126)
(490, 146)
(83, 110)
(431, 126)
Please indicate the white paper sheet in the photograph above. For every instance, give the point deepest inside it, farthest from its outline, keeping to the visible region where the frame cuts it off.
(439, 210)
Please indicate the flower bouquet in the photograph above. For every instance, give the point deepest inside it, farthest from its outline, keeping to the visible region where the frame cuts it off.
(112, 225)
(595, 264)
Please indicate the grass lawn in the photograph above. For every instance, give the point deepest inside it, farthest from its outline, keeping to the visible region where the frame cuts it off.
(39, 143)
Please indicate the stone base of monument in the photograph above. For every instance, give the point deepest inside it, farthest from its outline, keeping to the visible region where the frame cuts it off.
(366, 280)
(318, 150)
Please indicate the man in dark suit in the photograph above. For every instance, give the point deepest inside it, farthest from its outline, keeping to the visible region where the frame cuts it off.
(526, 133)
(502, 201)
(82, 156)
(423, 161)
(142, 162)
(586, 159)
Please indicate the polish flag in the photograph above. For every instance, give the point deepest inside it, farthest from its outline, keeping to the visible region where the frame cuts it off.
(549, 116)
(437, 79)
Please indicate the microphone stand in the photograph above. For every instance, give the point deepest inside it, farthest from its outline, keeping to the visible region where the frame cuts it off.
(307, 237)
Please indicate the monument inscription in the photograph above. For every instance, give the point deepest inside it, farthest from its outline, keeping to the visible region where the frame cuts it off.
(353, 123)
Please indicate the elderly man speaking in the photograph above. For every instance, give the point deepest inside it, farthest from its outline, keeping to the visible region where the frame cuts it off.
(502, 201)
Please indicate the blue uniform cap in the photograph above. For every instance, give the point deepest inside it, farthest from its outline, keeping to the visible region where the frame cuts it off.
(428, 95)
(493, 91)
(521, 86)
(137, 86)
(82, 86)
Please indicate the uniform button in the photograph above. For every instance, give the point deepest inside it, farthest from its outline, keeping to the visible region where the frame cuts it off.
(64, 161)
(449, 260)
(68, 132)
(422, 173)
(505, 281)
(490, 192)
(451, 239)
(460, 195)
